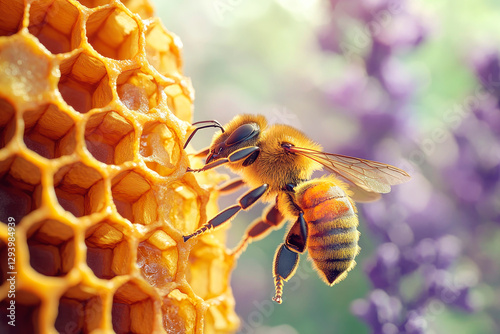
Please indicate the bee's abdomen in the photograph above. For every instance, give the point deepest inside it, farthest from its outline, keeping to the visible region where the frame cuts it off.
(332, 223)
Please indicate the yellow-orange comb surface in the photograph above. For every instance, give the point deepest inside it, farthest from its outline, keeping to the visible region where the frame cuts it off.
(94, 110)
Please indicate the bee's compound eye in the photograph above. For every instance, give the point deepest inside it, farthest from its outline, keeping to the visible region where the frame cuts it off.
(286, 145)
(244, 132)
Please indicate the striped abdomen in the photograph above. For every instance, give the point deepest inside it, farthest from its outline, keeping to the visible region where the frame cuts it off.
(332, 224)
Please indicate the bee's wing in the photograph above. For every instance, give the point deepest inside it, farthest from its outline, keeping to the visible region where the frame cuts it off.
(371, 176)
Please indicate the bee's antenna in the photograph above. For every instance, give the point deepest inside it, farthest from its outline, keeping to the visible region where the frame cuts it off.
(213, 124)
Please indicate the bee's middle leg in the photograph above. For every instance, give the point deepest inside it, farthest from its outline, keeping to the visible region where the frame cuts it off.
(260, 228)
(244, 203)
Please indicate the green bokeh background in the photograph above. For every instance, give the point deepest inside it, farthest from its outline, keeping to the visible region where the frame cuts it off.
(264, 57)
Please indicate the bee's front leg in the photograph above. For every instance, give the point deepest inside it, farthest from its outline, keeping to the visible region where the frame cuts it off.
(243, 203)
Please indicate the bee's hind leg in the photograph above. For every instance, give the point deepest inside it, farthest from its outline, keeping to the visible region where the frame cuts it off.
(286, 259)
(230, 186)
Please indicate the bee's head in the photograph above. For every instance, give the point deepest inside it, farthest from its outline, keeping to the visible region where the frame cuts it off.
(242, 131)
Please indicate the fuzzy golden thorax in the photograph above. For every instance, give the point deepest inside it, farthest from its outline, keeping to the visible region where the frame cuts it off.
(274, 165)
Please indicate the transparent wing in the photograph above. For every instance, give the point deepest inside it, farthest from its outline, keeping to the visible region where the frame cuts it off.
(371, 176)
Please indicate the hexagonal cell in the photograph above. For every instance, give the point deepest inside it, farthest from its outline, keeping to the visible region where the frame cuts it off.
(141, 7)
(113, 33)
(209, 270)
(84, 83)
(137, 90)
(52, 247)
(162, 49)
(12, 17)
(110, 138)
(20, 188)
(79, 189)
(79, 311)
(160, 148)
(180, 100)
(183, 207)
(178, 313)
(157, 258)
(53, 22)
(133, 309)
(7, 122)
(49, 131)
(27, 313)
(108, 250)
(134, 199)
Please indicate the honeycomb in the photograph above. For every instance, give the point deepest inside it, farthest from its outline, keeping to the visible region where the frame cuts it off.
(94, 197)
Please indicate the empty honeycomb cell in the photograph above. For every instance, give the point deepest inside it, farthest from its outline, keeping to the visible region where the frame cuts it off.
(7, 122)
(27, 313)
(160, 148)
(11, 18)
(49, 131)
(133, 309)
(79, 311)
(183, 207)
(180, 100)
(157, 258)
(141, 7)
(110, 138)
(113, 33)
(79, 189)
(179, 314)
(207, 271)
(20, 188)
(108, 250)
(84, 83)
(137, 90)
(134, 198)
(51, 247)
(57, 28)
(162, 49)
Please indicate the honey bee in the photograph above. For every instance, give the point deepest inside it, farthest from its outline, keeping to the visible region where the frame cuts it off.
(277, 162)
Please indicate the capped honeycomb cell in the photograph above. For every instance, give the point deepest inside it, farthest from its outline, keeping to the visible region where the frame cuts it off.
(110, 138)
(52, 247)
(20, 188)
(134, 199)
(108, 250)
(79, 311)
(84, 83)
(157, 258)
(94, 112)
(160, 148)
(56, 29)
(7, 122)
(133, 309)
(113, 33)
(42, 137)
(137, 90)
(79, 189)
